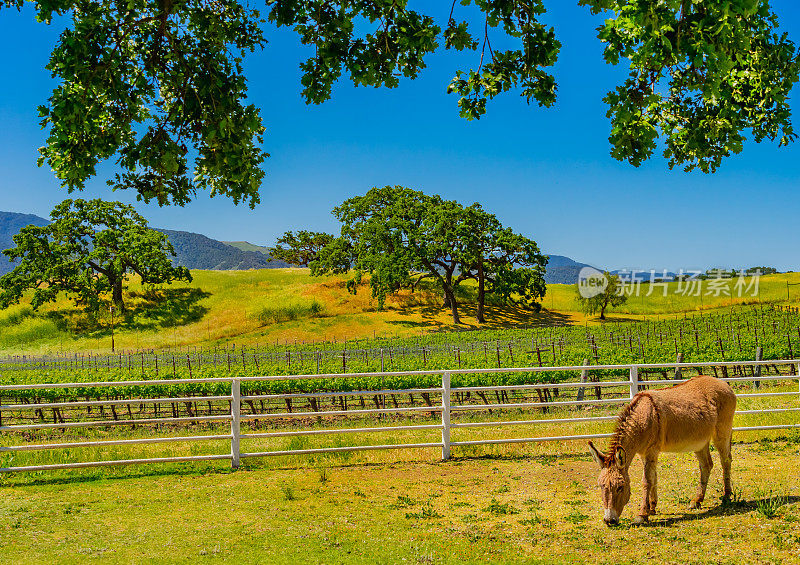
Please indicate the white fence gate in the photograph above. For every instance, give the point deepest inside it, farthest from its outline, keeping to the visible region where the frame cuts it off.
(236, 417)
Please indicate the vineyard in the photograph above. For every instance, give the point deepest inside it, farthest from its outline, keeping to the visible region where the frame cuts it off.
(736, 335)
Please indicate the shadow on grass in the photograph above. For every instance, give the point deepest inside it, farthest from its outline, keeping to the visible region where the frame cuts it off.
(425, 302)
(725, 508)
(167, 308)
(146, 310)
(180, 471)
(497, 317)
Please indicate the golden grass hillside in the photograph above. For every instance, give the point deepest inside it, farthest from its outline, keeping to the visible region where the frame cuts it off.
(284, 305)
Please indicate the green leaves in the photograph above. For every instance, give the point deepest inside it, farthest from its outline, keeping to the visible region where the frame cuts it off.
(703, 76)
(401, 236)
(301, 248)
(395, 45)
(88, 249)
(501, 71)
(457, 36)
(159, 86)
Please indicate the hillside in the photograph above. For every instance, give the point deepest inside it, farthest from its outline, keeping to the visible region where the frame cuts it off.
(247, 246)
(266, 305)
(562, 270)
(196, 251)
(10, 224)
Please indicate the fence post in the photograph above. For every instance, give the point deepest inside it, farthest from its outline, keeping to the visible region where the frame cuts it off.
(678, 371)
(584, 378)
(445, 416)
(759, 355)
(236, 411)
(634, 381)
(383, 387)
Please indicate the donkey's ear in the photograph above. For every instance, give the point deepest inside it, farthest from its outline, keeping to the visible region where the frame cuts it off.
(597, 456)
(620, 457)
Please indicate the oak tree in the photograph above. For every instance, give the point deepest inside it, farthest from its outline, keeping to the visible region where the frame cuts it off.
(391, 233)
(300, 248)
(89, 249)
(401, 236)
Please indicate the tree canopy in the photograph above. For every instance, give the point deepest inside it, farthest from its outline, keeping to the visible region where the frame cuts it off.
(88, 249)
(300, 248)
(159, 85)
(401, 236)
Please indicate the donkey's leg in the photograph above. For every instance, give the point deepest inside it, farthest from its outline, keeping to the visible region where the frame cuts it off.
(723, 445)
(649, 497)
(653, 484)
(704, 458)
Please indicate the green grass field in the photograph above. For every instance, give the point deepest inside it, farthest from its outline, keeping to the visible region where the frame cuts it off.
(284, 305)
(533, 504)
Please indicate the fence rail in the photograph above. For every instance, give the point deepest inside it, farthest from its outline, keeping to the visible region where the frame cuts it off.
(446, 410)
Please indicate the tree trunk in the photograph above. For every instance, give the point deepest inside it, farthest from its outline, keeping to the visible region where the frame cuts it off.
(481, 294)
(451, 299)
(116, 285)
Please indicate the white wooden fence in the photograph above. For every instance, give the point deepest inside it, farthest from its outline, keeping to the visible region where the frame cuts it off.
(446, 409)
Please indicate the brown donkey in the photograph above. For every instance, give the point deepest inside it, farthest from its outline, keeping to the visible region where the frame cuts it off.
(682, 418)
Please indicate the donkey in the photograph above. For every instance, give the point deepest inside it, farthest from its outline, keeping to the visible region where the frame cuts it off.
(685, 417)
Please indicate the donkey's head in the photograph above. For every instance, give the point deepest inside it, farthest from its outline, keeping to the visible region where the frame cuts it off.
(614, 483)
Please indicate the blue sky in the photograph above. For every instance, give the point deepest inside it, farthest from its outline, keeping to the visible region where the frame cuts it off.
(545, 172)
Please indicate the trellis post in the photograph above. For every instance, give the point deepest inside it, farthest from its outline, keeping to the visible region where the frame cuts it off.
(584, 378)
(759, 355)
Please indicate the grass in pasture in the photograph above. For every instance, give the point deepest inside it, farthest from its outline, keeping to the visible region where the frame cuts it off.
(287, 489)
(770, 503)
(289, 312)
(417, 511)
(499, 509)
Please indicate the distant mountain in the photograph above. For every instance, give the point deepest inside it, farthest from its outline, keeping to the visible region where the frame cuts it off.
(562, 270)
(193, 250)
(196, 251)
(247, 246)
(644, 275)
(10, 224)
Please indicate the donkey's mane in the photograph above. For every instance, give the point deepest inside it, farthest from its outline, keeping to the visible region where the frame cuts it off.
(623, 425)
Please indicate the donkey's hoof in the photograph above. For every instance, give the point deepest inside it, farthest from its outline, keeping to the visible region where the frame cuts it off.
(639, 520)
(695, 504)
